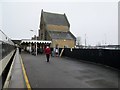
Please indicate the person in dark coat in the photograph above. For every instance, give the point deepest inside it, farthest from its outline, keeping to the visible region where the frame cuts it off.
(47, 52)
(20, 50)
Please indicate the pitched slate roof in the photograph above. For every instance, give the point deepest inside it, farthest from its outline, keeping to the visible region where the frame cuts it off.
(55, 19)
(61, 35)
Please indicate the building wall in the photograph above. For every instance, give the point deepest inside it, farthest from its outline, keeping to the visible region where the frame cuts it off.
(58, 28)
(119, 22)
(42, 30)
(62, 42)
(48, 37)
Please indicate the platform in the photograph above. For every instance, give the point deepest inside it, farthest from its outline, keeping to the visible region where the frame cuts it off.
(67, 73)
(17, 77)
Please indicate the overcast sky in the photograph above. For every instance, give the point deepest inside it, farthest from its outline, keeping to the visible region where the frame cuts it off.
(98, 20)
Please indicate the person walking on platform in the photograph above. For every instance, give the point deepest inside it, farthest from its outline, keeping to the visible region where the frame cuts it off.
(47, 52)
(20, 50)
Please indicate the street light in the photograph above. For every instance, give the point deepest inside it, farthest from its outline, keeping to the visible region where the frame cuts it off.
(36, 40)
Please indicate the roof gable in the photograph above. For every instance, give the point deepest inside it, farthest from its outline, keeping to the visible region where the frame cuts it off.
(55, 19)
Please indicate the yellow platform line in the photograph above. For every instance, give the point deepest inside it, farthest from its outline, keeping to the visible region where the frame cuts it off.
(25, 75)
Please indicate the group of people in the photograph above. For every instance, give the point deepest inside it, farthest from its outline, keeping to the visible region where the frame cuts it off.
(48, 52)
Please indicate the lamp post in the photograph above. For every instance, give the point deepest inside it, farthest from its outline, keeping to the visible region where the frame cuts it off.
(36, 40)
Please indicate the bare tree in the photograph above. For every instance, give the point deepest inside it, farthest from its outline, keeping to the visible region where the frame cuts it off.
(78, 41)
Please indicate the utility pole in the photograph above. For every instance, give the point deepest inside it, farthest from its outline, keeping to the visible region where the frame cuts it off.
(85, 41)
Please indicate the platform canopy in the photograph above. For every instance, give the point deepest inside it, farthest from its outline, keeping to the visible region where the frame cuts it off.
(35, 41)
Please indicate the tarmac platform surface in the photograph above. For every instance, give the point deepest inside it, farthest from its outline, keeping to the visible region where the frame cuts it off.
(67, 73)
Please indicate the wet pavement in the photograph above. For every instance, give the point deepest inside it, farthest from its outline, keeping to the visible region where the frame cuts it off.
(67, 73)
(17, 77)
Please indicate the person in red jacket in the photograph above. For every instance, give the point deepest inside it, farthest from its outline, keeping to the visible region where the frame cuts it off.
(47, 52)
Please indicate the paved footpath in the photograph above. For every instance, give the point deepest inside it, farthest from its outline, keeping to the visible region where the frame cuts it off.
(67, 73)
